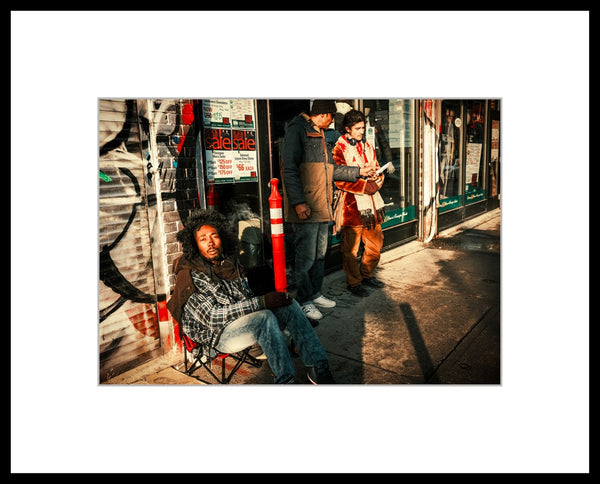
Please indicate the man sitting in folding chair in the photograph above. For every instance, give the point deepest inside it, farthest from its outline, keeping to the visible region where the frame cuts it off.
(217, 308)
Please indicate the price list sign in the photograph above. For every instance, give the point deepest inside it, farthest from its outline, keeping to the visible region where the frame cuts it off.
(230, 140)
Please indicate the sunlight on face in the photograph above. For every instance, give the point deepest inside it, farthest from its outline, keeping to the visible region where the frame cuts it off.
(357, 131)
(209, 242)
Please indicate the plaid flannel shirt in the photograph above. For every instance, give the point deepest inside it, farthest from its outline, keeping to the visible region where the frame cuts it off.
(214, 305)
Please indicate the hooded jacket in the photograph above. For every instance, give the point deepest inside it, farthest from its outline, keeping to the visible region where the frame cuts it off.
(308, 171)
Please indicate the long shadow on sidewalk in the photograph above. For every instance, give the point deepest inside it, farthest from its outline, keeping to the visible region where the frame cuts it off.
(424, 358)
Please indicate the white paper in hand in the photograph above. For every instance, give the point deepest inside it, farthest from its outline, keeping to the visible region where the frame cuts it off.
(383, 168)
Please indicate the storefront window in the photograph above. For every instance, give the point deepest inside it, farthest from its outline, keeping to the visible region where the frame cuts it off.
(231, 171)
(391, 129)
(494, 172)
(450, 151)
(474, 166)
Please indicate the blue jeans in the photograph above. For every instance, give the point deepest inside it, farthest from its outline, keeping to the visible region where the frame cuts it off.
(311, 241)
(264, 327)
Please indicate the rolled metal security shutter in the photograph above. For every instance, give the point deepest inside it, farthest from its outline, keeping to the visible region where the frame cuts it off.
(128, 325)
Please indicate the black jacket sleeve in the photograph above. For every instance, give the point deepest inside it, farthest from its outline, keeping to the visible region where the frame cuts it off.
(292, 156)
(346, 173)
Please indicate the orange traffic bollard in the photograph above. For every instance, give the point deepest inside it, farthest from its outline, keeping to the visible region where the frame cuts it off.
(277, 237)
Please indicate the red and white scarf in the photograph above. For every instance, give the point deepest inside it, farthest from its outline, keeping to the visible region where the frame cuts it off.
(359, 154)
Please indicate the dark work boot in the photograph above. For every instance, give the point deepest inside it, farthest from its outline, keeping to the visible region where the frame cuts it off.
(358, 290)
(319, 375)
(373, 282)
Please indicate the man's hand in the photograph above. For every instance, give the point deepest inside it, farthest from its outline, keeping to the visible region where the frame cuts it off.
(303, 211)
(367, 170)
(276, 299)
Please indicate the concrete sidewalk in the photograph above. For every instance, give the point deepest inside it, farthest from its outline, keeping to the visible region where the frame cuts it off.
(437, 320)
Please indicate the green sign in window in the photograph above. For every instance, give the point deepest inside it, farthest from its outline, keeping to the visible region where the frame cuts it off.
(449, 203)
(474, 195)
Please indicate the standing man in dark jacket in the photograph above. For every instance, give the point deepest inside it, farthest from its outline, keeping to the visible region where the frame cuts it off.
(308, 172)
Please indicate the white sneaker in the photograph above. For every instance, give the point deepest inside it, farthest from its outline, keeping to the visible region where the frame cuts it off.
(324, 302)
(311, 311)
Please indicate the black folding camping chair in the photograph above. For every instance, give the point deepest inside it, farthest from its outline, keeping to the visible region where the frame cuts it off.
(196, 356)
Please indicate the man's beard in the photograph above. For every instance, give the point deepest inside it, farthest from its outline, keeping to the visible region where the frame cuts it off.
(214, 259)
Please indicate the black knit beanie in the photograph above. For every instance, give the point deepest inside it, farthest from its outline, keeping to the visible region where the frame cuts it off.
(323, 106)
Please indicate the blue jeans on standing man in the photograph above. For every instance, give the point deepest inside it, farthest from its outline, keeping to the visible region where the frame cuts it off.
(311, 241)
(264, 327)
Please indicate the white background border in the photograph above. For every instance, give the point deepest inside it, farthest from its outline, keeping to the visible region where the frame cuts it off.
(536, 62)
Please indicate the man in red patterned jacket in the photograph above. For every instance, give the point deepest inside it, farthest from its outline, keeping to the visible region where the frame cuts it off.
(360, 208)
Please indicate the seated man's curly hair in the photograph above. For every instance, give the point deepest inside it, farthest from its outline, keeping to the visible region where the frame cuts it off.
(198, 218)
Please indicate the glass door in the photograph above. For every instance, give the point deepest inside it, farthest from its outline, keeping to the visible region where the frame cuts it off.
(450, 156)
(475, 167)
(391, 130)
(494, 150)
